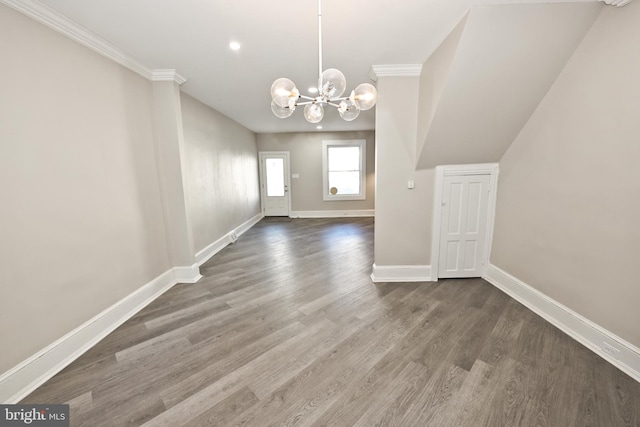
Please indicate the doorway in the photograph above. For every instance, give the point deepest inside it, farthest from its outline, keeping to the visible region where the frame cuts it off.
(274, 183)
(463, 219)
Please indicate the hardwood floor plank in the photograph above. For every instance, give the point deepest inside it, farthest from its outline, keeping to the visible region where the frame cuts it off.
(152, 347)
(178, 297)
(324, 300)
(503, 338)
(470, 342)
(80, 406)
(76, 379)
(269, 380)
(360, 395)
(182, 408)
(617, 400)
(474, 395)
(431, 407)
(218, 368)
(346, 364)
(387, 409)
(241, 320)
(510, 400)
(222, 413)
(186, 315)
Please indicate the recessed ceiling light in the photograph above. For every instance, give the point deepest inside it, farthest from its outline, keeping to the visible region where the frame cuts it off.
(313, 90)
(318, 127)
(234, 46)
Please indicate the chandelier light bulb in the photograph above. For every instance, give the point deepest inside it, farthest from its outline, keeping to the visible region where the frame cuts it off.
(313, 113)
(348, 110)
(333, 83)
(365, 96)
(282, 90)
(281, 112)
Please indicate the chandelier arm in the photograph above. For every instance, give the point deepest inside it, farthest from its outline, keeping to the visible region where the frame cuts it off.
(307, 98)
(304, 103)
(331, 103)
(342, 98)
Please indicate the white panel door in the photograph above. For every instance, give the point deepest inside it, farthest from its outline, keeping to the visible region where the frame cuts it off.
(274, 177)
(463, 233)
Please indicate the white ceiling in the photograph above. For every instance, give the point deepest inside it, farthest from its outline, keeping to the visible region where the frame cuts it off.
(278, 38)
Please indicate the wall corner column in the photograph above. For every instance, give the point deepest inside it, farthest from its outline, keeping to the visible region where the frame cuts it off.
(403, 216)
(169, 141)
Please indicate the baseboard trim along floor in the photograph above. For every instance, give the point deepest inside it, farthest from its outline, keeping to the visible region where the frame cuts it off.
(205, 254)
(401, 273)
(355, 213)
(25, 377)
(620, 353)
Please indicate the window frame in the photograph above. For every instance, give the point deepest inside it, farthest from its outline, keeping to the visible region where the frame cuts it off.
(362, 145)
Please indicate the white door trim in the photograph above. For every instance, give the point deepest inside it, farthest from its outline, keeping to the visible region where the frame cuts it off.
(462, 170)
(261, 155)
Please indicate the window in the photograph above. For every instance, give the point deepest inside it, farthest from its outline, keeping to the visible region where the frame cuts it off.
(344, 170)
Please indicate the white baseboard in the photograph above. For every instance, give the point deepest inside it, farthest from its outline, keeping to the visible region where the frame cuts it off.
(189, 274)
(401, 273)
(205, 254)
(18, 382)
(333, 214)
(586, 332)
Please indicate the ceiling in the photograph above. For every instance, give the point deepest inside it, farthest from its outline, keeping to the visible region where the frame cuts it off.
(278, 39)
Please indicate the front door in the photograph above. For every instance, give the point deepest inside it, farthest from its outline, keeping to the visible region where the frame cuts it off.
(463, 233)
(274, 183)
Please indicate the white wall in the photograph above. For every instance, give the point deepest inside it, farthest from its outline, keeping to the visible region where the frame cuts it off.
(81, 216)
(569, 189)
(306, 160)
(220, 170)
(107, 187)
(403, 216)
(433, 81)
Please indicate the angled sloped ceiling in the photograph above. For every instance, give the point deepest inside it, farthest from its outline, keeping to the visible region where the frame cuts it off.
(433, 79)
(483, 83)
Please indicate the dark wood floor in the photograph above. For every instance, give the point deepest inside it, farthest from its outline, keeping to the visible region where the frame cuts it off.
(286, 328)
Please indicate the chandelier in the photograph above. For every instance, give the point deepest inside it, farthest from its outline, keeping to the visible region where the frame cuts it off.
(331, 86)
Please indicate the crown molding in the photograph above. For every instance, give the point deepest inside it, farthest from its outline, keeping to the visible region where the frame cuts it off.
(395, 70)
(168, 75)
(63, 25)
(616, 3)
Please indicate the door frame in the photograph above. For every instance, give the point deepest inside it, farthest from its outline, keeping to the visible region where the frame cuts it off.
(287, 176)
(490, 169)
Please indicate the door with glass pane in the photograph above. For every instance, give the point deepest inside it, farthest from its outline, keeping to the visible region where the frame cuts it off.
(274, 183)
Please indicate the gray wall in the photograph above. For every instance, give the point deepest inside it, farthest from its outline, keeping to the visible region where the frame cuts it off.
(81, 217)
(220, 172)
(306, 160)
(569, 189)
